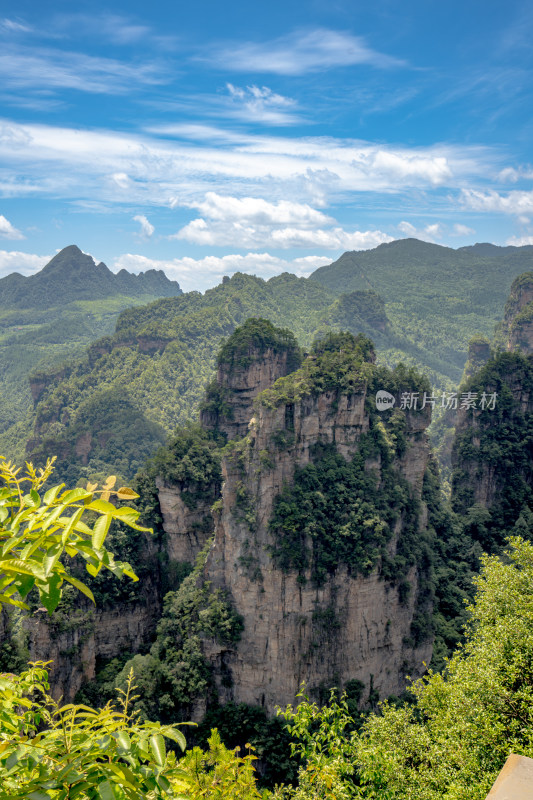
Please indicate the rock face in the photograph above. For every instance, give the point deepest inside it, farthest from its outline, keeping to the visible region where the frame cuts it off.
(478, 355)
(352, 626)
(518, 319)
(187, 528)
(252, 360)
(74, 645)
(494, 435)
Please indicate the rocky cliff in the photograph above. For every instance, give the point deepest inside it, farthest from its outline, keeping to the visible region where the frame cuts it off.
(252, 359)
(518, 315)
(343, 595)
(492, 453)
(76, 643)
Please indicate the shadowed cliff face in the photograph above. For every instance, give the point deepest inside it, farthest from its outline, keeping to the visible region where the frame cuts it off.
(492, 452)
(319, 610)
(518, 319)
(351, 625)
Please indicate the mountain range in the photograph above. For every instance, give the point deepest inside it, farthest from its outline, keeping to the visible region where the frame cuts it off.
(52, 316)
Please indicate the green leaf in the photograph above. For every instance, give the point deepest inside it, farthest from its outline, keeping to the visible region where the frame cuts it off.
(157, 744)
(20, 567)
(74, 495)
(51, 558)
(102, 506)
(51, 595)
(52, 493)
(75, 518)
(106, 791)
(39, 796)
(81, 586)
(101, 527)
(176, 736)
(7, 600)
(127, 570)
(123, 740)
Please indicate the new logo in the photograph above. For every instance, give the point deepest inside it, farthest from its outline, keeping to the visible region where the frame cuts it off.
(384, 400)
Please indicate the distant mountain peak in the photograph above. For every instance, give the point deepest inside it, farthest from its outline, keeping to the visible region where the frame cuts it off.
(74, 275)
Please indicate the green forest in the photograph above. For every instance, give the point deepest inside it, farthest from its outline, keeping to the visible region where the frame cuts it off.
(127, 405)
(161, 356)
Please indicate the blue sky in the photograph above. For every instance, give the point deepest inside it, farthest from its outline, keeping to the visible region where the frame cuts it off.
(209, 137)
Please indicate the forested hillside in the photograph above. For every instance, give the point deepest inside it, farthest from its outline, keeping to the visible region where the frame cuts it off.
(436, 297)
(419, 303)
(159, 361)
(52, 316)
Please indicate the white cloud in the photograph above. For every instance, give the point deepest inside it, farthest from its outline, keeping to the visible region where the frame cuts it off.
(318, 169)
(7, 231)
(251, 222)
(301, 52)
(519, 241)
(25, 263)
(225, 208)
(515, 202)
(512, 175)
(23, 67)
(428, 234)
(241, 235)
(147, 228)
(524, 220)
(261, 104)
(12, 26)
(462, 230)
(121, 179)
(206, 272)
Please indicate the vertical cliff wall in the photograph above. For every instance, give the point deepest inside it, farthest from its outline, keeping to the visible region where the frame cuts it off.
(492, 453)
(252, 359)
(353, 617)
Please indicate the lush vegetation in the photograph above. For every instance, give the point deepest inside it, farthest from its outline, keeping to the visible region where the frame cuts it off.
(453, 740)
(51, 751)
(449, 743)
(52, 316)
(38, 531)
(493, 452)
(257, 336)
(436, 298)
(161, 356)
(337, 507)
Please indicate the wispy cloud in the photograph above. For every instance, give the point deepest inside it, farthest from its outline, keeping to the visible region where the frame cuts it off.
(515, 202)
(147, 229)
(299, 53)
(155, 171)
(462, 230)
(213, 268)
(261, 104)
(7, 231)
(512, 175)
(14, 26)
(114, 28)
(429, 233)
(520, 241)
(24, 67)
